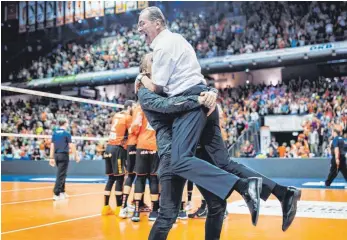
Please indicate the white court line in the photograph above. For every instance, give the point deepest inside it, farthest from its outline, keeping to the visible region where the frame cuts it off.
(27, 189)
(50, 224)
(51, 199)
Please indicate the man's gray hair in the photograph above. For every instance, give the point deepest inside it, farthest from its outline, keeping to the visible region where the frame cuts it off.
(154, 13)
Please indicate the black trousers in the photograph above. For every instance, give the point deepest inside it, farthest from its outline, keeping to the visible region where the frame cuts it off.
(334, 171)
(192, 127)
(62, 163)
(171, 196)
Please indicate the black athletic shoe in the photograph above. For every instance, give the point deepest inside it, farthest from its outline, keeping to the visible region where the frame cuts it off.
(136, 217)
(153, 216)
(182, 215)
(200, 213)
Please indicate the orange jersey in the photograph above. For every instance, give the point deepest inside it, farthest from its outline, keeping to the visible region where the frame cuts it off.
(118, 129)
(145, 133)
(132, 137)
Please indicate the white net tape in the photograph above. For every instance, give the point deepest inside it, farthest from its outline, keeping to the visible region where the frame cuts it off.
(48, 137)
(58, 96)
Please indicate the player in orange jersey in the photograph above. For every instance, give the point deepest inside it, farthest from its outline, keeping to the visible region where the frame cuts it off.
(115, 157)
(146, 164)
(131, 158)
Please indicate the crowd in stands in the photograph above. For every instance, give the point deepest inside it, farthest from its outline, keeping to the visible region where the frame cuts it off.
(266, 26)
(40, 116)
(325, 101)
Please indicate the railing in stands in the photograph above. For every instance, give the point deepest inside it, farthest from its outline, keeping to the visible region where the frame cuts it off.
(252, 134)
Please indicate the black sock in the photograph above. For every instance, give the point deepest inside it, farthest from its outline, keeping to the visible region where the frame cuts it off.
(119, 200)
(280, 192)
(182, 206)
(137, 205)
(106, 200)
(241, 185)
(203, 204)
(190, 196)
(142, 203)
(125, 200)
(155, 206)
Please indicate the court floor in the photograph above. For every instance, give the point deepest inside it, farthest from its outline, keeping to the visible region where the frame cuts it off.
(28, 212)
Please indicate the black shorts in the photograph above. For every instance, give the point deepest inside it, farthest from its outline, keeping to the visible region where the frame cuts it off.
(115, 157)
(146, 162)
(131, 158)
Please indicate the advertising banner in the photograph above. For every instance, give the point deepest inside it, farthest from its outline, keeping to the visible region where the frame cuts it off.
(32, 16)
(40, 17)
(79, 10)
(109, 7)
(50, 9)
(68, 12)
(60, 13)
(23, 16)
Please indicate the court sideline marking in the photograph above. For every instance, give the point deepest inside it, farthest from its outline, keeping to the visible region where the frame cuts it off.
(52, 223)
(45, 187)
(51, 199)
(25, 189)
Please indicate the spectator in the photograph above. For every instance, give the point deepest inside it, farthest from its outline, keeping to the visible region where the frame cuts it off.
(248, 150)
(282, 150)
(314, 141)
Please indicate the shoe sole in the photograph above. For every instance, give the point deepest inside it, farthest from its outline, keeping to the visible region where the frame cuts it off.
(152, 219)
(182, 218)
(259, 188)
(135, 219)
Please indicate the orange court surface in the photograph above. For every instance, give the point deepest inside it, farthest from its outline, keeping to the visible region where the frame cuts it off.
(28, 212)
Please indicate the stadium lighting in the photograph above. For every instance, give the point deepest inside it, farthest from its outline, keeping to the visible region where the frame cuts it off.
(80, 21)
(96, 18)
(247, 81)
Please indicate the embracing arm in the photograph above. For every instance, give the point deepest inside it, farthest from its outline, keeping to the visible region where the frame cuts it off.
(153, 102)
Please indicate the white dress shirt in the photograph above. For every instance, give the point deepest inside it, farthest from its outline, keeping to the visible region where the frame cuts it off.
(175, 65)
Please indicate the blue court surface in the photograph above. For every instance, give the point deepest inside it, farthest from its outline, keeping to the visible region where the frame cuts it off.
(297, 182)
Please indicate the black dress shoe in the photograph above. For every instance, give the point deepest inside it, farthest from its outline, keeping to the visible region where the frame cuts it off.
(252, 197)
(289, 206)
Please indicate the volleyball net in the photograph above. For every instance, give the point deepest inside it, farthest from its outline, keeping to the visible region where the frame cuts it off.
(27, 126)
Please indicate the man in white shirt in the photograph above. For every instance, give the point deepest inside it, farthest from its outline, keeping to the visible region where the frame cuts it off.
(176, 71)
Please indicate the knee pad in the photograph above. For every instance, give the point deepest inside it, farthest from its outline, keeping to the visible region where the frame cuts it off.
(110, 182)
(190, 186)
(154, 184)
(130, 179)
(140, 184)
(119, 184)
